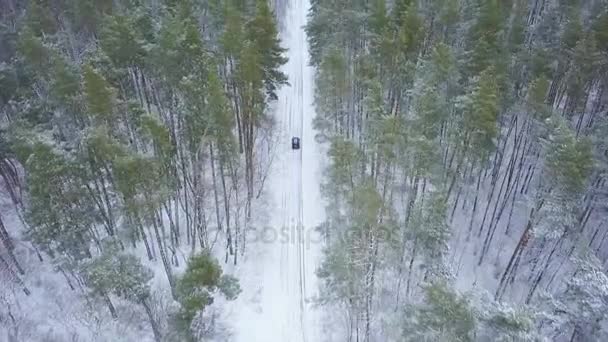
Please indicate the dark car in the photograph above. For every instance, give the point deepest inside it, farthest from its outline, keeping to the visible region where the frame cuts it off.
(295, 143)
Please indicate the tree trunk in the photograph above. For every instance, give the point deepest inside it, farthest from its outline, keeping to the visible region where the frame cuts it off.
(111, 307)
(153, 323)
(149, 252)
(518, 250)
(229, 247)
(9, 246)
(410, 268)
(215, 195)
(4, 264)
(544, 270)
(163, 256)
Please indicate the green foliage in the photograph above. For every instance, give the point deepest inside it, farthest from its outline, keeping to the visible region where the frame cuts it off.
(179, 50)
(203, 270)
(536, 98)
(400, 11)
(140, 181)
(568, 162)
(434, 93)
(334, 67)
(154, 130)
(263, 39)
(65, 83)
(443, 65)
(430, 229)
(505, 322)
(449, 13)
(481, 115)
(600, 29)
(444, 315)
(341, 275)
(221, 118)
(233, 35)
(121, 41)
(385, 131)
(99, 95)
(321, 23)
(517, 35)
(423, 157)
(207, 113)
(35, 53)
(331, 88)
(511, 325)
(537, 62)
(431, 113)
(250, 76)
(117, 273)
(101, 149)
(200, 283)
(116, 103)
(485, 45)
(40, 18)
(365, 205)
(345, 265)
(87, 15)
(59, 214)
(346, 161)
(409, 27)
(379, 18)
(573, 30)
(229, 287)
(8, 83)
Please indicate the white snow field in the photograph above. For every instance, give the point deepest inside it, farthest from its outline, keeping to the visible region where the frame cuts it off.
(278, 278)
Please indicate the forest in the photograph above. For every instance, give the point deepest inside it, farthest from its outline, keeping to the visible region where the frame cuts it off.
(464, 182)
(466, 187)
(133, 133)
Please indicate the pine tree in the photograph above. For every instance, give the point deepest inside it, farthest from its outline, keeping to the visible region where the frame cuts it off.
(444, 315)
(99, 95)
(144, 188)
(500, 322)
(430, 230)
(198, 287)
(263, 37)
(87, 14)
(481, 115)
(122, 275)
(36, 54)
(122, 42)
(40, 18)
(484, 36)
(65, 83)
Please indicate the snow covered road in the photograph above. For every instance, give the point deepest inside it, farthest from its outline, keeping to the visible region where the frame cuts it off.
(278, 306)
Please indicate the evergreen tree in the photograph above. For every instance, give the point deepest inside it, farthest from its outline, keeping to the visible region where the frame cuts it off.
(444, 315)
(196, 289)
(263, 37)
(481, 114)
(430, 231)
(40, 18)
(59, 215)
(99, 95)
(120, 274)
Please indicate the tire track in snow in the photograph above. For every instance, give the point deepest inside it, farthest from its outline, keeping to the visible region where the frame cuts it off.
(287, 281)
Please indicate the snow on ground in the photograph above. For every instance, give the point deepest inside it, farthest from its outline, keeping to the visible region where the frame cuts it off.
(278, 275)
(53, 311)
